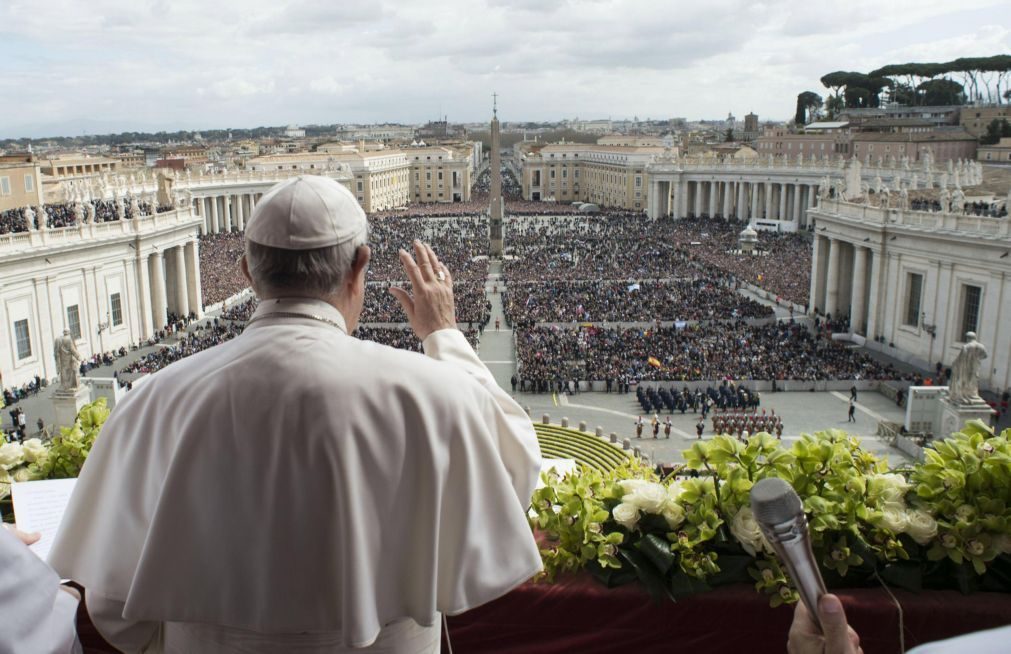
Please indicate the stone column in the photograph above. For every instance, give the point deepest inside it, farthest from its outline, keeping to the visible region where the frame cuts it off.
(226, 213)
(698, 199)
(859, 295)
(782, 202)
(240, 214)
(215, 224)
(768, 200)
(832, 281)
(728, 199)
(182, 297)
(873, 290)
(812, 297)
(713, 199)
(144, 295)
(754, 200)
(193, 278)
(159, 301)
(796, 202)
(742, 201)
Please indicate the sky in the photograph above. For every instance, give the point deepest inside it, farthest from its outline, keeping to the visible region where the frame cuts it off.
(98, 66)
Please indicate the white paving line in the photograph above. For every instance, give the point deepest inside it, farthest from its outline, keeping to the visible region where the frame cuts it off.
(860, 407)
(674, 430)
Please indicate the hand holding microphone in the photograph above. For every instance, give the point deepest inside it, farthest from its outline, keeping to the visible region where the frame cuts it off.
(819, 623)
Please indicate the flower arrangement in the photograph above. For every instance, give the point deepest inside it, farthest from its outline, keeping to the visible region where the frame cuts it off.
(60, 458)
(945, 522)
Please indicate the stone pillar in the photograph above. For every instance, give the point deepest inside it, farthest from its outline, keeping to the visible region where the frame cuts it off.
(240, 214)
(728, 199)
(226, 213)
(144, 295)
(873, 286)
(182, 294)
(832, 279)
(796, 202)
(768, 199)
(742, 201)
(859, 295)
(159, 300)
(698, 199)
(812, 298)
(193, 278)
(215, 225)
(713, 199)
(754, 200)
(782, 202)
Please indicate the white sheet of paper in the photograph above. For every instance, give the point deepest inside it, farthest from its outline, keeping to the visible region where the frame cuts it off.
(39, 506)
(561, 466)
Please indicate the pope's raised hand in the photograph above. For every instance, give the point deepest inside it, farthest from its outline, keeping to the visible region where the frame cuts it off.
(431, 307)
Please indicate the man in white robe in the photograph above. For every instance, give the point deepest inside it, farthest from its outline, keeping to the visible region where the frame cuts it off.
(36, 614)
(296, 489)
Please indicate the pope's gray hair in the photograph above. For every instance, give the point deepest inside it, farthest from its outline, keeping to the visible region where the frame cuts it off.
(319, 272)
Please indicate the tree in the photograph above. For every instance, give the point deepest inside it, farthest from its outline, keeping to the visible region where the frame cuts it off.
(728, 137)
(940, 91)
(995, 131)
(807, 103)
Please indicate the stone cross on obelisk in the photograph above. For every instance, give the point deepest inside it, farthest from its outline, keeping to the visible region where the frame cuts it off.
(496, 207)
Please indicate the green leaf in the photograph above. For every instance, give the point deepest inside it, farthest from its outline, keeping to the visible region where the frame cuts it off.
(657, 550)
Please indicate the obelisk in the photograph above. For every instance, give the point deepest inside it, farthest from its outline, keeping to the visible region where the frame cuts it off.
(496, 207)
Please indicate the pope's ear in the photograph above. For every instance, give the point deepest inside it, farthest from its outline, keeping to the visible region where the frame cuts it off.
(244, 267)
(360, 263)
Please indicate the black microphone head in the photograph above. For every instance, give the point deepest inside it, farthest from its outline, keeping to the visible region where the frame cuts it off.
(774, 501)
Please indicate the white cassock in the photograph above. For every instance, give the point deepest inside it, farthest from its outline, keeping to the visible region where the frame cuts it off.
(297, 489)
(36, 617)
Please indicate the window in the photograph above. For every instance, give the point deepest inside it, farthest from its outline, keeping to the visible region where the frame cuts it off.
(23, 338)
(428, 175)
(638, 182)
(971, 296)
(440, 175)
(116, 308)
(360, 187)
(29, 183)
(74, 321)
(5, 185)
(914, 290)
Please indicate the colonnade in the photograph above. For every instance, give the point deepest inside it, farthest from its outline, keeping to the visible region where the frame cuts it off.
(843, 275)
(225, 212)
(748, 201)
(169, 282)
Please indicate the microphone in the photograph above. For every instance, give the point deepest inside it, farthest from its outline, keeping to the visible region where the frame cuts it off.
(780, 514)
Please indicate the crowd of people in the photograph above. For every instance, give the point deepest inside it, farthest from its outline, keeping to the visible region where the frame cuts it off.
(66, 215)
(220, 277)
(782, 265)
(995, 209)
(200, 338)
(705, 351)
(696, 298)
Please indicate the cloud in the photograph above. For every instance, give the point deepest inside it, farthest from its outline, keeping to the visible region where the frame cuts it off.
(193, 63)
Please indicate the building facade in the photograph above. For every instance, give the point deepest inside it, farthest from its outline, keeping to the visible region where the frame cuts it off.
(20, 183)
(612, 176)
(439, 174)
(111, 284)
(913, 283)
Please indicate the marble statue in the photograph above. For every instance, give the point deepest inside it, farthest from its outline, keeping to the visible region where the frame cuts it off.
(91, 213)
(903, 198)
(958, 178)
(29, 218)
(120, 209)
(78, 211)
(928, 161)
(951, 166)
(964, 385)
(134, 207)
(853, 178)
(823, 188)
(905, 162)
(43, 217)
(67, 361)
(1007, 203)
(885, 198)
(957, 201)
(915, 183)
(943, 182)
(878, 184)
(945, 199)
